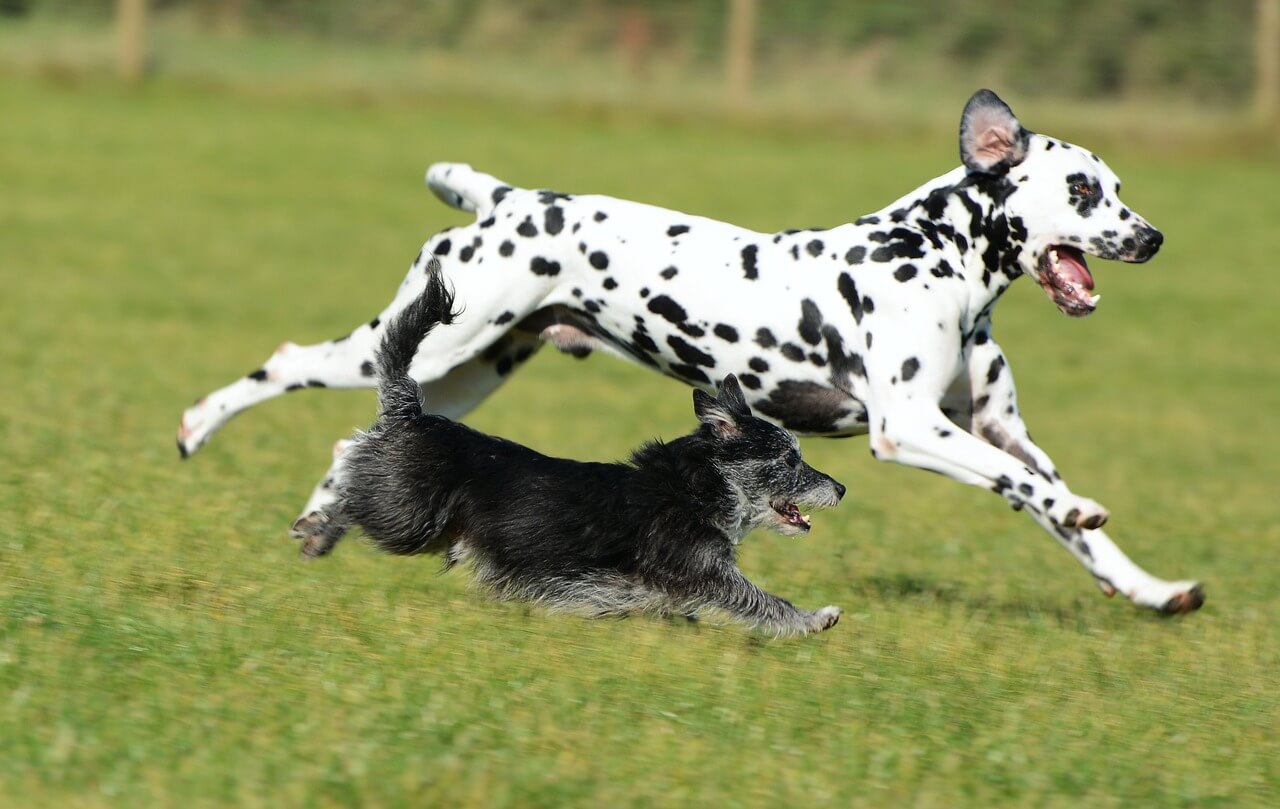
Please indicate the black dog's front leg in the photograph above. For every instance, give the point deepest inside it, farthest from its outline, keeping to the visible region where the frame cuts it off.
(731, 591)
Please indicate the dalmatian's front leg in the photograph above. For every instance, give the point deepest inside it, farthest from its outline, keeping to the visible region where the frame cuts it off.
(994, 416)
(908, 426)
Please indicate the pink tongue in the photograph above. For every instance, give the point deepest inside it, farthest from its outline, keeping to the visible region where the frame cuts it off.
(1071, 267)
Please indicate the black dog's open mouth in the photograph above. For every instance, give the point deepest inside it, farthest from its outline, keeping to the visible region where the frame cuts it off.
(789, 514)
(1065, 278)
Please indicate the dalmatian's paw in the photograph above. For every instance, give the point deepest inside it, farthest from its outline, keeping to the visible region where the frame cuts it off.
(1079, 512)
(1169, 598)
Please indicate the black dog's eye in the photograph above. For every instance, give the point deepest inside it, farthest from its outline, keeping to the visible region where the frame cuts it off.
(792, 459)
(1082, 189)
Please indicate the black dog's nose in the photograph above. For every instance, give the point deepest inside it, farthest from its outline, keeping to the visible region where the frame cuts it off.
(1150, 239)
(840, 490)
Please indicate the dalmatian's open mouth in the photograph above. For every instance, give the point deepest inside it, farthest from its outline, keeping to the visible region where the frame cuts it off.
(789, 515)
(1065, 278)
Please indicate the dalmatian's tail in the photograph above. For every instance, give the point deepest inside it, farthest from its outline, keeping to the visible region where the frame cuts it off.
(462, 187)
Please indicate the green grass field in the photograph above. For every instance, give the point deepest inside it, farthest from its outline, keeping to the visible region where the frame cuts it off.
(161, 645)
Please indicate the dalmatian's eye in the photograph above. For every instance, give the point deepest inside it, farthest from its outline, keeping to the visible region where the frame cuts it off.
(792, 459)
(1082, 189)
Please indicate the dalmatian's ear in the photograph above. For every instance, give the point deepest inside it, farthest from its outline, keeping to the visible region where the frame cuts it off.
(991, 139)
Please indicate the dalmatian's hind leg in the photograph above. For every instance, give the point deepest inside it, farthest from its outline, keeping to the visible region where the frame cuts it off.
(347, 362)
(343, 363)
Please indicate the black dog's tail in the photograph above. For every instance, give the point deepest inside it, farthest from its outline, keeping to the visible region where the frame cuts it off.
(398, 393)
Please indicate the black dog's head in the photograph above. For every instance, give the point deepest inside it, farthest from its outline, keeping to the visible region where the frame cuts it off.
(761, 463)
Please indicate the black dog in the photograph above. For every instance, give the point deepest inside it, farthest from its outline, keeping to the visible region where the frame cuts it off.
(657, 534)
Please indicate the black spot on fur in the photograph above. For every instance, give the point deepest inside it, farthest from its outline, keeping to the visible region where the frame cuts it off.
(609, 283)
(366, 368)
(758, 364)
(690, 373)
(504, 318)
(856, 255)
(814, 248)
(690, 353)
(259, 375)
(527, 228)
(465, 254)
(553, 220)
(499, 193)
(676, 230)
(669, 273)
(909, 369)
(442, 248)
(810, 328)
(749, 381)
(765, 338)
(506, 249)
(993, 373)
(805, 406)
(749, 267)
(316, 383)
(897, 243)
(726, 332)
(488, 223)
(792, 352)
(541, 266)
(644, 341)
(549, 197)
(858, 305)
(600, 216)
(905, 273)
(599, 260)
(373, 324)
(668, 308)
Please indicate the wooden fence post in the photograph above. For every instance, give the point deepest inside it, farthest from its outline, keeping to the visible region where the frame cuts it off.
(131, 45)
(740, 35)
(1266, 60)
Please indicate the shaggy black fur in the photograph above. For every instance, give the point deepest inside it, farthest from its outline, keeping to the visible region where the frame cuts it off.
(656, 534)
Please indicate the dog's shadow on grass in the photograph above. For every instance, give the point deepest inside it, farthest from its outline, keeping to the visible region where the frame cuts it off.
(906, 588)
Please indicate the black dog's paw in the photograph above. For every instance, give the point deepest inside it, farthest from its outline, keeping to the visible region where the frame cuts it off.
(826, 618)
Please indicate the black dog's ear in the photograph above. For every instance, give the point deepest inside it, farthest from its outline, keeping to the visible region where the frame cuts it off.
(731, 396)
(711, 411)
(991, 139)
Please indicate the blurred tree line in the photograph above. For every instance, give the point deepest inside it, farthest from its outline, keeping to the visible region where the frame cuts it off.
(1203, 49)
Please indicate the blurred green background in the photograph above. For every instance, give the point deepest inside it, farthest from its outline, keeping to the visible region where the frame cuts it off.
(257, 178)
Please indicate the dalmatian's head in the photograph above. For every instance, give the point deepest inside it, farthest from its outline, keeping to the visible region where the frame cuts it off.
(1061, 202)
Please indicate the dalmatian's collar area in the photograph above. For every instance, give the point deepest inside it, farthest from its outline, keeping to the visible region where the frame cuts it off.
(881, 326)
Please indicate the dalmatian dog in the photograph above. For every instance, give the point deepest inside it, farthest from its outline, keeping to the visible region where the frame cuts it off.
(880, 327)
